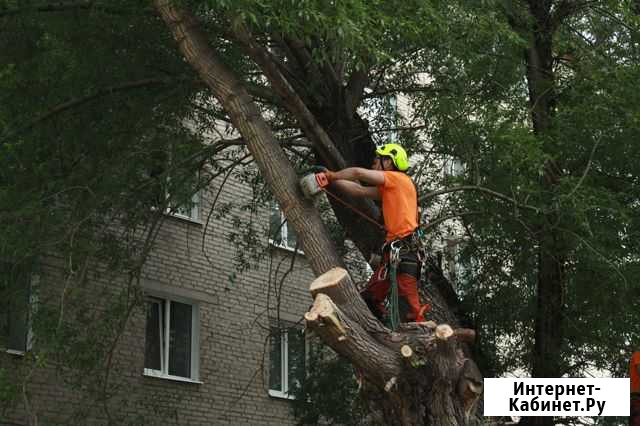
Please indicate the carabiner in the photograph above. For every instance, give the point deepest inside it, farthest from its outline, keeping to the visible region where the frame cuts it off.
(394, 255)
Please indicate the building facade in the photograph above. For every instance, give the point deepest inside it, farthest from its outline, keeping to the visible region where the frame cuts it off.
(209, 346)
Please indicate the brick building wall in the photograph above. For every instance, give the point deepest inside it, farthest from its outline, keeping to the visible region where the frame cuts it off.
(234, 319)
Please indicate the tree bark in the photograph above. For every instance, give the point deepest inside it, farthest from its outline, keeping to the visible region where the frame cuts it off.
(552, 254)
(435, 388)
(420, 372)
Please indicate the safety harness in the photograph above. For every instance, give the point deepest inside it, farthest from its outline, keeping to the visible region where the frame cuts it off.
(409, 244)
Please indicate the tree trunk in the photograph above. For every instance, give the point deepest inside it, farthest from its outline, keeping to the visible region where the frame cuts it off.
(436, 384)
(416, 376)
(552, 253)
(247, 119)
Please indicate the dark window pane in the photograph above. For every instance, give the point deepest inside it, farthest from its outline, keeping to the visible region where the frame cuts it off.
(296, 347)
(275, 360)
(180, 340)
(275, 225)
(292, 237)
(14, 308)
(18, 322)
(153, 339)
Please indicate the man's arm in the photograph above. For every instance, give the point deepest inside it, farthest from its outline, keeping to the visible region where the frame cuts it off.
(346, 180)
(372, 177)
(355, 189)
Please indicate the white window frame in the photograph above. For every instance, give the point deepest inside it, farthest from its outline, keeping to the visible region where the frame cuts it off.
(393, 103)
(163, 373)
(454, 167)
(284, 361)
(284, 232)
(194, 213)
(455, 268)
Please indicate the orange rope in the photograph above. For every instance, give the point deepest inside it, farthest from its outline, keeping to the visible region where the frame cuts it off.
(349, 206)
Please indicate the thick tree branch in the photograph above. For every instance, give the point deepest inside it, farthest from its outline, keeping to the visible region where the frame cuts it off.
(271, 160)
(565, 9)
(433, 223)
(325, 147)
(292, 101)
(354, 91)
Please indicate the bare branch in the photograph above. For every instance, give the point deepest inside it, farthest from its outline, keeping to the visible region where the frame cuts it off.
(61, 7)
(295, 140)
(483, 190)
(441, 219)
(73, 103)
(586, 169)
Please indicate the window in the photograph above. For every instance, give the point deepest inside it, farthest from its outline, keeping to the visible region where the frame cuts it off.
(168, 190)
(190, 211)
(381, 111)
(286, 360)
(172, 339)
(281, 234)
(15, 303)
(453, 167)
(392, 111)
(457, 266)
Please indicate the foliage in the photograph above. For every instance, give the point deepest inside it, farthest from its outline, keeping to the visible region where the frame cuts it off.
(482, 119)
(8, 390)
(93, 136)
(328, 393)
(93, 150)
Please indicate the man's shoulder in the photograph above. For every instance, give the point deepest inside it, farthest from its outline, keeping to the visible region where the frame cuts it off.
(397, 178)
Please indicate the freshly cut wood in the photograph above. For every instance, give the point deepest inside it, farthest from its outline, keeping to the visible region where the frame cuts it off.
(347, 337)
(406, 351)
(337, 284)
(332, 284)
(444, 332)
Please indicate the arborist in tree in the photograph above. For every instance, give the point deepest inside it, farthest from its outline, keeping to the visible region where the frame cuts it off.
(399, 271)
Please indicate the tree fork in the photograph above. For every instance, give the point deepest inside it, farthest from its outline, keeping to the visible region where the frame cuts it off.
(419, 368)
(342, 319)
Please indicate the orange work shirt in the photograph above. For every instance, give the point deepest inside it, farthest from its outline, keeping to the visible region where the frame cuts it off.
(633, 372)
(399, 205)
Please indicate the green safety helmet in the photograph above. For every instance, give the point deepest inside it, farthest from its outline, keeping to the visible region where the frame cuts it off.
(397, 154)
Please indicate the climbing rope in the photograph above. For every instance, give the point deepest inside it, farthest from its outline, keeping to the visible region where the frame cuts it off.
(394, 261)
(349, 206)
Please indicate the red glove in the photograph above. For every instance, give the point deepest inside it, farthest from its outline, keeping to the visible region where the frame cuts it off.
(323, 179)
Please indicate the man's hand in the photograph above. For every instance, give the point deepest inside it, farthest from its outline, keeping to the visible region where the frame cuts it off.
(322, 179)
